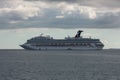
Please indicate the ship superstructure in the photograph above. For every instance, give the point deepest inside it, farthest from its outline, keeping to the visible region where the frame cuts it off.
(77, 42)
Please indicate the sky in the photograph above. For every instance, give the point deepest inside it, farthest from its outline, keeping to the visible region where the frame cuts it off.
(22, 19)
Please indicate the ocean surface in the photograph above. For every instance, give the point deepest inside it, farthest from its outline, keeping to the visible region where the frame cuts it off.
(60, 65)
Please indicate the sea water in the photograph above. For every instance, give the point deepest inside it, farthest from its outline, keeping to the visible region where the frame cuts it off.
(59, 65)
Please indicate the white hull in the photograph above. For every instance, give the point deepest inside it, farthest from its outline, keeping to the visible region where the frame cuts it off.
(60, 47)
(67, 48)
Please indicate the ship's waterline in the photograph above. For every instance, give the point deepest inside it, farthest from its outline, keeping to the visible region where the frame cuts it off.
(77, 42)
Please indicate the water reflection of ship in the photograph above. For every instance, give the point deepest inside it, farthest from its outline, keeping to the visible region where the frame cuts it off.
(77, 42)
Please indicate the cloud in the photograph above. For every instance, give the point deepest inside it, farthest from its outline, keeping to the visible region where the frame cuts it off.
(94, 3)
(60, 17)
(20, 8)
(59, 14)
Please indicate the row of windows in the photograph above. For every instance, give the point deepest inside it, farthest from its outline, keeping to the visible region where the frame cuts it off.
(65, 44)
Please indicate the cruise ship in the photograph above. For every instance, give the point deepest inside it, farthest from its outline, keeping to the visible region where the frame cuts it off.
(69, 43)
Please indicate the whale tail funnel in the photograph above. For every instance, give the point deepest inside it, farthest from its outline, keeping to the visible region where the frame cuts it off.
(78, 35)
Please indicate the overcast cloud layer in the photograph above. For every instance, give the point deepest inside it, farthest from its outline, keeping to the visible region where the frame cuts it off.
(95, 3)
(59, 14)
